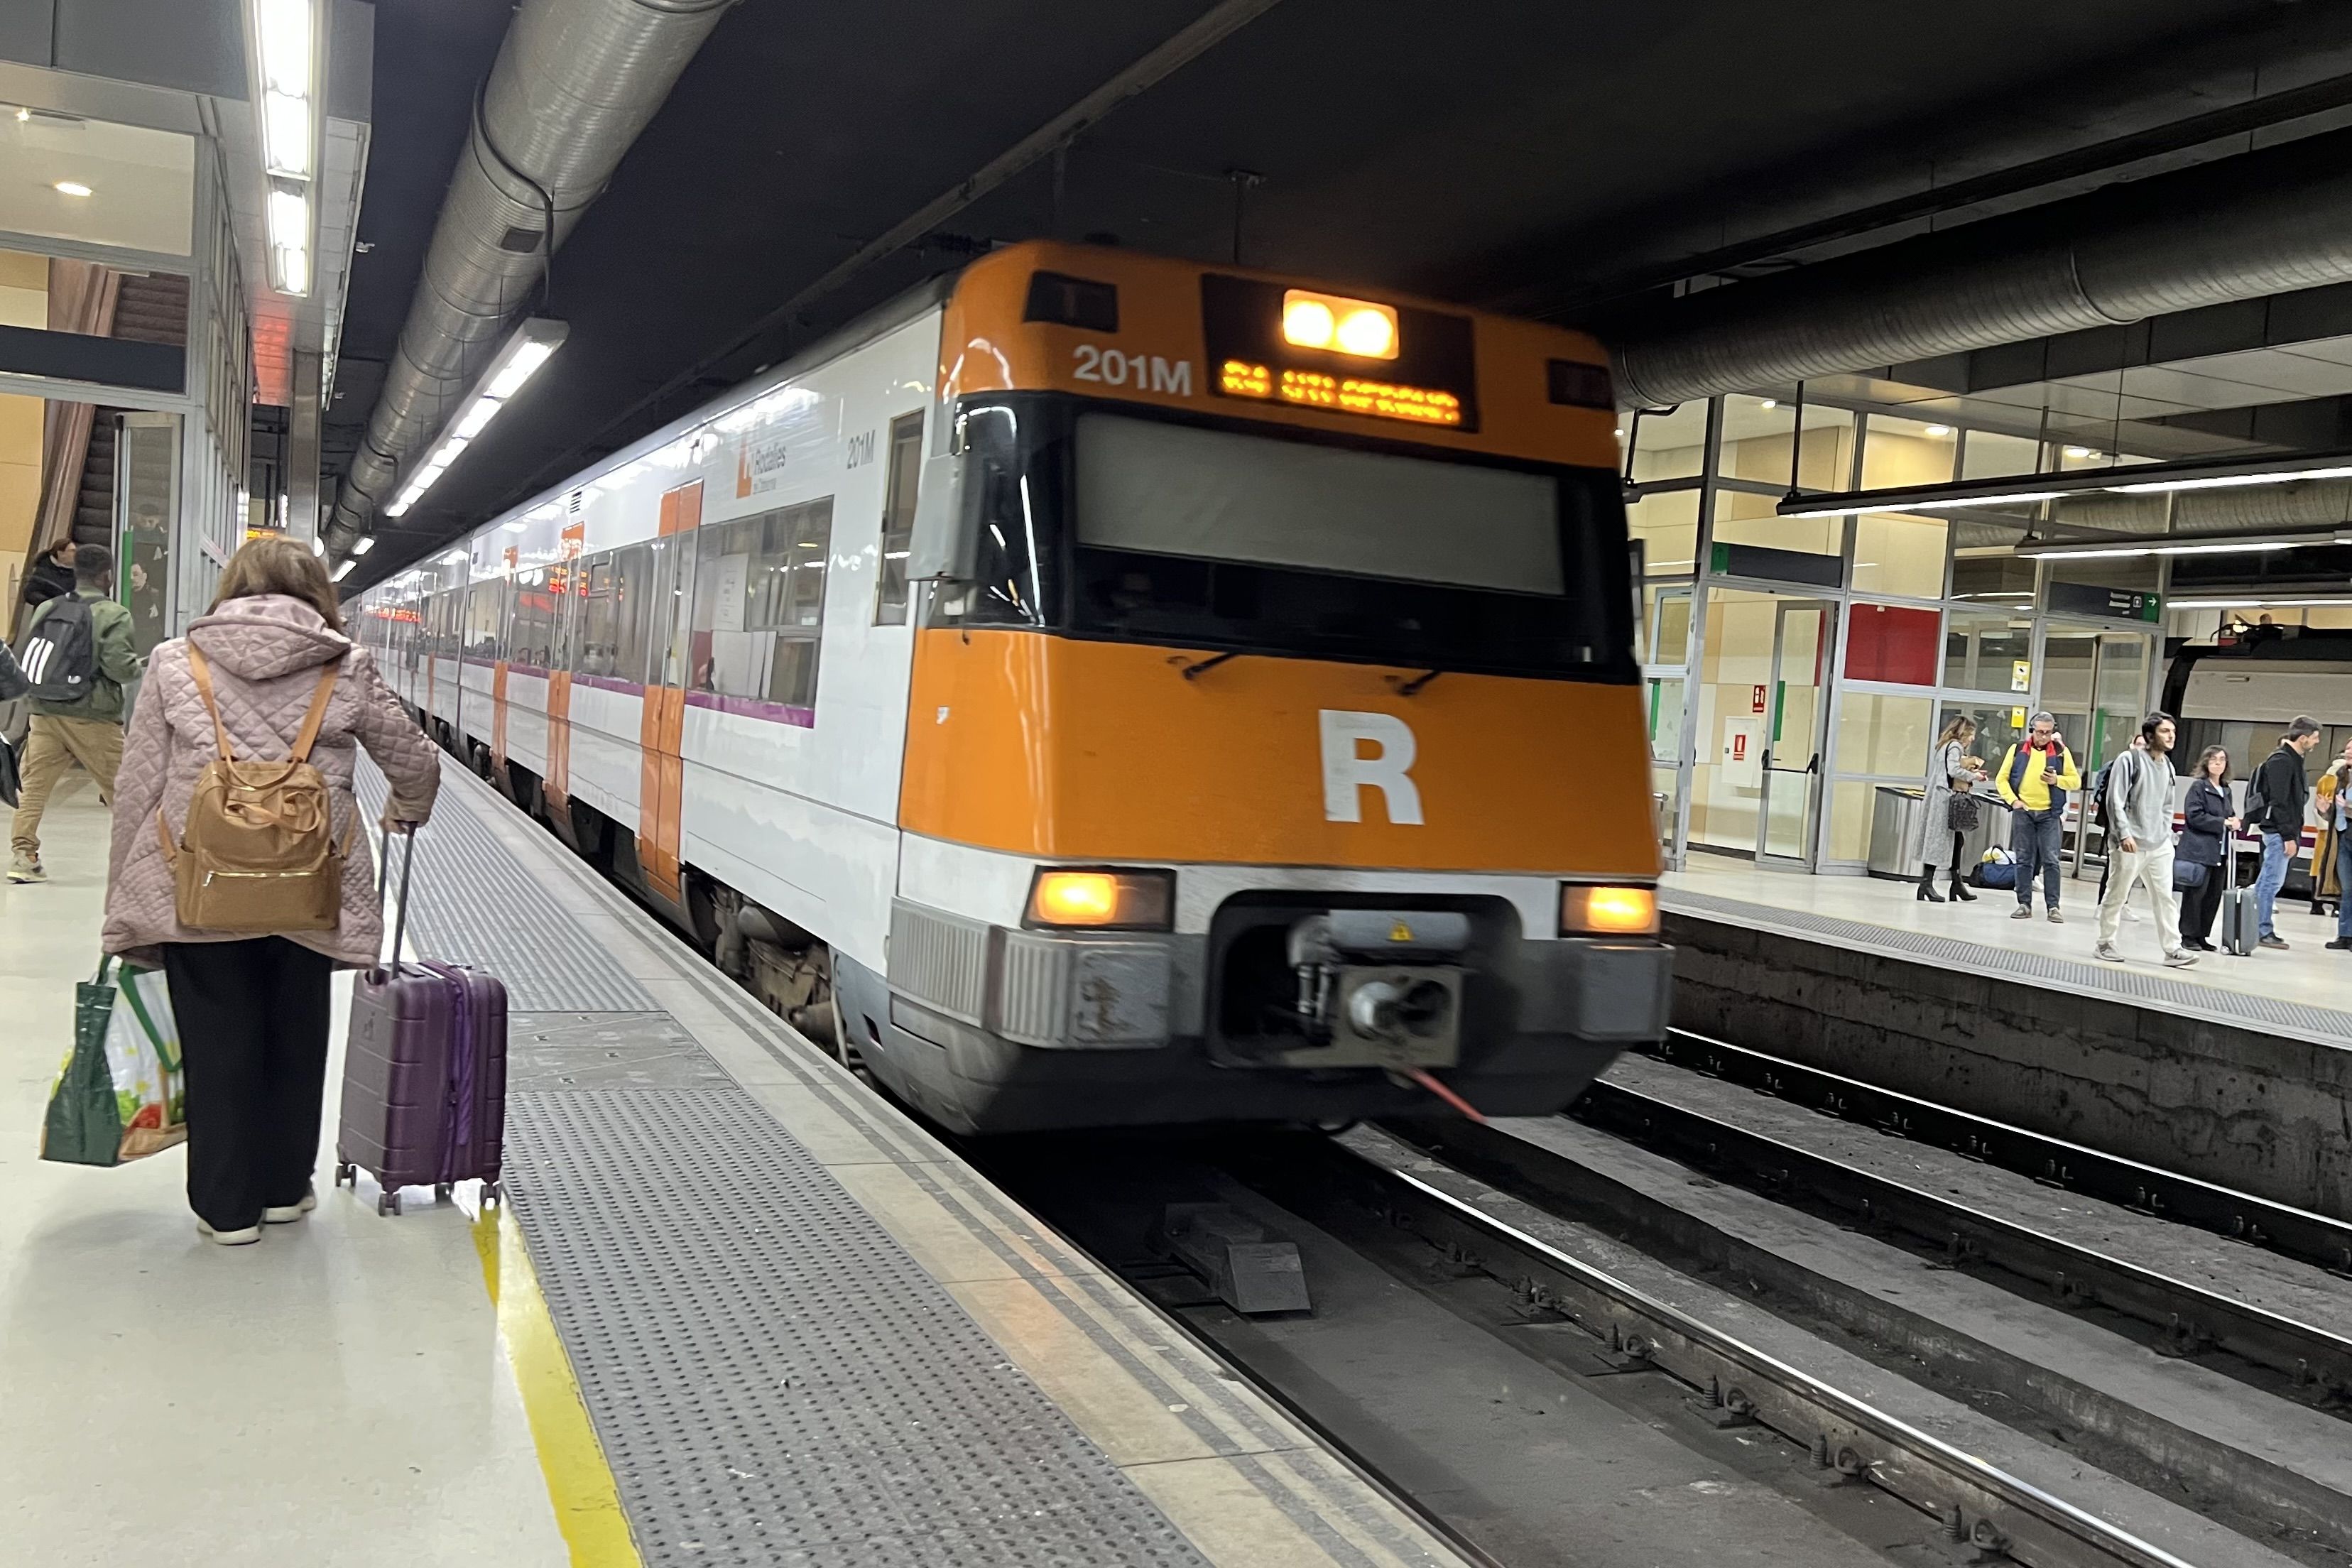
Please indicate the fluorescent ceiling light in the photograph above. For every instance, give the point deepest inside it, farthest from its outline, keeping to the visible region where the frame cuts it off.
(2080, 452)
(290, 220)
(2231, 482)
(286, 135)
(293, 270)
(2340, 602)
(284, 36)
(527, 356)
(344, 570)
(70, 188)
(2165, 546)
(362, 544)
(526, 349)
(318, 547)
(481, 412)
(1932, 503)
(1940, 429)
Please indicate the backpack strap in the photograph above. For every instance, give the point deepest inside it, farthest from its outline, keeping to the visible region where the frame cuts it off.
(202, 674)
(308, 735)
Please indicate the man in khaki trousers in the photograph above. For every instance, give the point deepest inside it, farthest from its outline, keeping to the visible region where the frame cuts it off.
(89, 730)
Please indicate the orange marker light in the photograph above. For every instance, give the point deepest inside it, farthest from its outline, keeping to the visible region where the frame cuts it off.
(1357, 327)
(1608, 911)
(1131, 900)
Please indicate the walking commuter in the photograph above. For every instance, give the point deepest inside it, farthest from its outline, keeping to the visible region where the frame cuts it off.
(85, 647)
(2335, 843)
(2034, 776)
(2139, 845)
(2207, 824)
(266, 669)
(1952, 772)
(51, 576)
(2276, 798)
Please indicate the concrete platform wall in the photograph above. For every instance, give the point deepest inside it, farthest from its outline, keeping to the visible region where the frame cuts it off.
(2259, 1112)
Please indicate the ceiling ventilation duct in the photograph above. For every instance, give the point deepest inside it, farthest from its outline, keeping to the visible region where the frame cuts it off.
(2239, 228)
(574, 84)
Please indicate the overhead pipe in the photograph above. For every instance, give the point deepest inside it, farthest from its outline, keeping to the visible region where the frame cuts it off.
(574, 84)
(2262, 223)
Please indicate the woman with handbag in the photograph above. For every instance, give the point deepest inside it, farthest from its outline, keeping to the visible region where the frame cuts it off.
(244, 745)
(2203, 850)
(1951, 811)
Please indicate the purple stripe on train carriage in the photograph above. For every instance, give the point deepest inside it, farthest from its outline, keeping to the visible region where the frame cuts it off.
(457, 1110)
(754, 708)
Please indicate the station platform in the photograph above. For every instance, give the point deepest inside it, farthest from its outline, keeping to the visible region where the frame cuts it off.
(738, 1309)
(2235, 1070)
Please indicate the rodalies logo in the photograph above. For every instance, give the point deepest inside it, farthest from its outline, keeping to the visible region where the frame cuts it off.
(759, 466)
(1368, 750)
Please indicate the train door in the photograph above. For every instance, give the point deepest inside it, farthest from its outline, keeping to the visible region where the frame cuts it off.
(1788, 831)
(662, 779)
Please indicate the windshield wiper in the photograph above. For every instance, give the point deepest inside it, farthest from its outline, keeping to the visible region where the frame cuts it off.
(1413, 688)
(1194, 671)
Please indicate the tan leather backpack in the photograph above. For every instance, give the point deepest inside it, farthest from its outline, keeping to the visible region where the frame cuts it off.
(259, 854)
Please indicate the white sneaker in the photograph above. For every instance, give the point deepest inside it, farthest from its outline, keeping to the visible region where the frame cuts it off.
(2179, 958)
(27, 869)
(245, 1238)
(287, 1213)
(2131, 914)
(2106, 952)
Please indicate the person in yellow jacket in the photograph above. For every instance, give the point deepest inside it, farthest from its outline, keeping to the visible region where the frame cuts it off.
(2034, 776)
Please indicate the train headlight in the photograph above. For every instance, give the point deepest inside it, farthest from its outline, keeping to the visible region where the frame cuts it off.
(1589, 910)
(1357, 327)
(1102, 901)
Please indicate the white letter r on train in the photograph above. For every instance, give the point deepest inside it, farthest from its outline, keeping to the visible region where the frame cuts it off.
(1373, 750)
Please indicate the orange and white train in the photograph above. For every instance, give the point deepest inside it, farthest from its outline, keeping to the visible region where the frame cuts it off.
(1101, 689)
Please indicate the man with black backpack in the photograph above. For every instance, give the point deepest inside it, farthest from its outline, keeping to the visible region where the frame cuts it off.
(77, 652)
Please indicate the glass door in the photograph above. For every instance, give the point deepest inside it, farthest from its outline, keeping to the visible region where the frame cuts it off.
(1789, 822)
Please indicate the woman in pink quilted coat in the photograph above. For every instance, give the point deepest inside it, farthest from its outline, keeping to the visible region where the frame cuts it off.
(253, 1011)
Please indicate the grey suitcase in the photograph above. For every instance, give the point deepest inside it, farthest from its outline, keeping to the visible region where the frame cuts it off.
(2240, 927)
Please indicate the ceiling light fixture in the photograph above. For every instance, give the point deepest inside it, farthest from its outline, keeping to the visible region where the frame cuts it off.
(1768, 402)
(344, 571)
(2079, 453)
(285, 54)
(70, 188)
(1940, 430)
(527, 348)
(2144, 478)
(362, 544)
(2340, 602)
(2103, 551)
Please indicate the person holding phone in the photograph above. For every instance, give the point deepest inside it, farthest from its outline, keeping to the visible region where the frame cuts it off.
(2035, 777)
(2207, 823)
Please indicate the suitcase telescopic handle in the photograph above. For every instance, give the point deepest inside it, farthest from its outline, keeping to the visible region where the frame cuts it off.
(383, 879)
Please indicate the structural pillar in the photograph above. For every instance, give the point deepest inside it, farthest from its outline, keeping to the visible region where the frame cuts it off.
(302, 508)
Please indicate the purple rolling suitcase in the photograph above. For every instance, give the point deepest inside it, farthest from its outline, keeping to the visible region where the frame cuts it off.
(425, 1076)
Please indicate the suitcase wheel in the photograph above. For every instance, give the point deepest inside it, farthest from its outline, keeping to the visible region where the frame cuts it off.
(441, 1191)
(388, 1202)
(346, 1175)
(490, 1193)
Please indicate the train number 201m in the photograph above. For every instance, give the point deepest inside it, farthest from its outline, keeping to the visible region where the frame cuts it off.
(1145, 372)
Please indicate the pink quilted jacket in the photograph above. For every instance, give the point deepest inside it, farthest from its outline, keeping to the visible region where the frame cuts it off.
(265, 654)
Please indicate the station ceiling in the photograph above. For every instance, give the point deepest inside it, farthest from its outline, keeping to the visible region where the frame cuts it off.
(1524, 153)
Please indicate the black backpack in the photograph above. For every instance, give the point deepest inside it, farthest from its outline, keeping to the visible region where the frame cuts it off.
(60, 657)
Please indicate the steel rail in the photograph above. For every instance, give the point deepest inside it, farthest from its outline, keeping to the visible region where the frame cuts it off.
(1977, 1501)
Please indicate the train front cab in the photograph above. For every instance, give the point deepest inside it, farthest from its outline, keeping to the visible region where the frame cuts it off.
(1266, 760)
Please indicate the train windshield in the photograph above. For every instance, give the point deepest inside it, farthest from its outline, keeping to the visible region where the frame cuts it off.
(1231, 539)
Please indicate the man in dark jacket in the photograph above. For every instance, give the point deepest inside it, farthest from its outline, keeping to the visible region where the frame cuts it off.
(2276, 798)
(52, 575)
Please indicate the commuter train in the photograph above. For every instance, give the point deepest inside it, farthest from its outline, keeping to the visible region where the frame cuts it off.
(1100, 689)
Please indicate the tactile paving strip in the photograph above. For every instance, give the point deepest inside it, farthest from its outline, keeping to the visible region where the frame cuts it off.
(2162, 991)
(473, 903)
(773, 1379)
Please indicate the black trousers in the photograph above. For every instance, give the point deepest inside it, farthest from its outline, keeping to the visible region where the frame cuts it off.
(253, 1020)
(2199, 903)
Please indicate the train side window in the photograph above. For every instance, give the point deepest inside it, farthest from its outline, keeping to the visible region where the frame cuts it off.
(898, 518)
(633, 590)
(759, 605)
(600, 615)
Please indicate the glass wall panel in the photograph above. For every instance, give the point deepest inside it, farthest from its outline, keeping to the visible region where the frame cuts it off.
(1988, 651)
(1669, 445)
(1992, 576)
(2121, 688)
(1665, 621)
(1744, 519)
(1881, 734)
(97, 182)
(2000, 725)
(1899, 554)
(1847, 837)
(1667, 526)
(1988, 455)
(1907, 452)
(1665, 720)
(1895, 643)
(1726, 774)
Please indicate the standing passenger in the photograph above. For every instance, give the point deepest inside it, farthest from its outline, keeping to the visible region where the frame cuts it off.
(2139, 793)
(2276, 798)
(2207, 825)
(1947, 773)
(253, 1010)
(2336, 843)
(2034, 776)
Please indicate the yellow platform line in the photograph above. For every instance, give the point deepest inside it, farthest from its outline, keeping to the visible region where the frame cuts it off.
(579, 1482)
